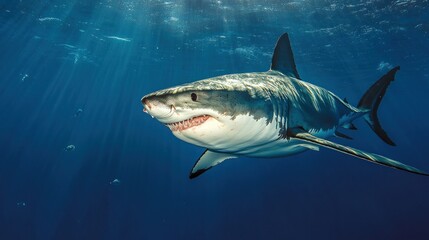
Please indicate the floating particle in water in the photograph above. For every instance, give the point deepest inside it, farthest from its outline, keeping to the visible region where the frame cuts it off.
(70, 148)
(383, 66)
(21, 204)
(78, 112)
(49, 19)
(76, 57)
(115, 182)
(24, 76)
(174, 19)
(123, 39)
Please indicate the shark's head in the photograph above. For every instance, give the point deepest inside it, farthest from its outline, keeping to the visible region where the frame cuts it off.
(211, 113)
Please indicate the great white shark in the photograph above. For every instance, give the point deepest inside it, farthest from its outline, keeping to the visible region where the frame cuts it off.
(266, 114)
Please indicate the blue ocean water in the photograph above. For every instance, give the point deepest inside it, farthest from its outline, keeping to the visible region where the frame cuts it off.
(80, 160)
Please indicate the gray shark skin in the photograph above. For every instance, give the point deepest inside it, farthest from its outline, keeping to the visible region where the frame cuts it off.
(266, 114)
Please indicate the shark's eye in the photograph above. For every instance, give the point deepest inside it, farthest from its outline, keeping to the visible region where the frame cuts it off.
(194, 97)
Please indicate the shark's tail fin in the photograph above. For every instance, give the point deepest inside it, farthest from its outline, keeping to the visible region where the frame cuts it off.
(371, 100)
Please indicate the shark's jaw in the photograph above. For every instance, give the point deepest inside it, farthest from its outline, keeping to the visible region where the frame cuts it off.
(188, 123)
(176, 118)
(194, 126)
(202, 127)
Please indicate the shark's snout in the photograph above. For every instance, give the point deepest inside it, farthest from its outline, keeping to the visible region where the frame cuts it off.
(156, 108)
(146, 104)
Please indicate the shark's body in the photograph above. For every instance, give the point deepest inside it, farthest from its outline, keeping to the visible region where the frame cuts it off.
(267, 114)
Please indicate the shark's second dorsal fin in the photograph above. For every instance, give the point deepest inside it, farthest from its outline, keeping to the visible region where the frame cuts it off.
(283, 60)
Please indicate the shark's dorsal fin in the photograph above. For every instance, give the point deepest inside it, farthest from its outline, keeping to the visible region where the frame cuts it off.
(283, 60)
(208, 160)
(301, 134)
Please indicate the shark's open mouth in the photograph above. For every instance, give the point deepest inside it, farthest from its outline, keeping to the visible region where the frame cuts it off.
(188, 123)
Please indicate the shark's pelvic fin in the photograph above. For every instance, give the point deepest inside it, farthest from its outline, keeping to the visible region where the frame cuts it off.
(372, 99)
(208, 160)
(283, 60)
(299, 133)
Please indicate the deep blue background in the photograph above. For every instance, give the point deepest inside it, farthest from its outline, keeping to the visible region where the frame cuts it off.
(102, 56)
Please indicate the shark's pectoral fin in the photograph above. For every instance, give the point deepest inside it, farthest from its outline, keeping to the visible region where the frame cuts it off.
(301, 134)
(309, 146)
(342, 135)
(208, 160)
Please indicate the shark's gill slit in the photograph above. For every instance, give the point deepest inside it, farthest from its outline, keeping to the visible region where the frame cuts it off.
(188, 123)
(172, 108)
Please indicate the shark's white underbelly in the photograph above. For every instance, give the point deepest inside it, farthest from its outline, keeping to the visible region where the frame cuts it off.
(268, 143)
(276, 146)
(280, 148)
(259, 138)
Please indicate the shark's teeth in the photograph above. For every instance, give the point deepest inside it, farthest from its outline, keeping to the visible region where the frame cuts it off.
(188, 123)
